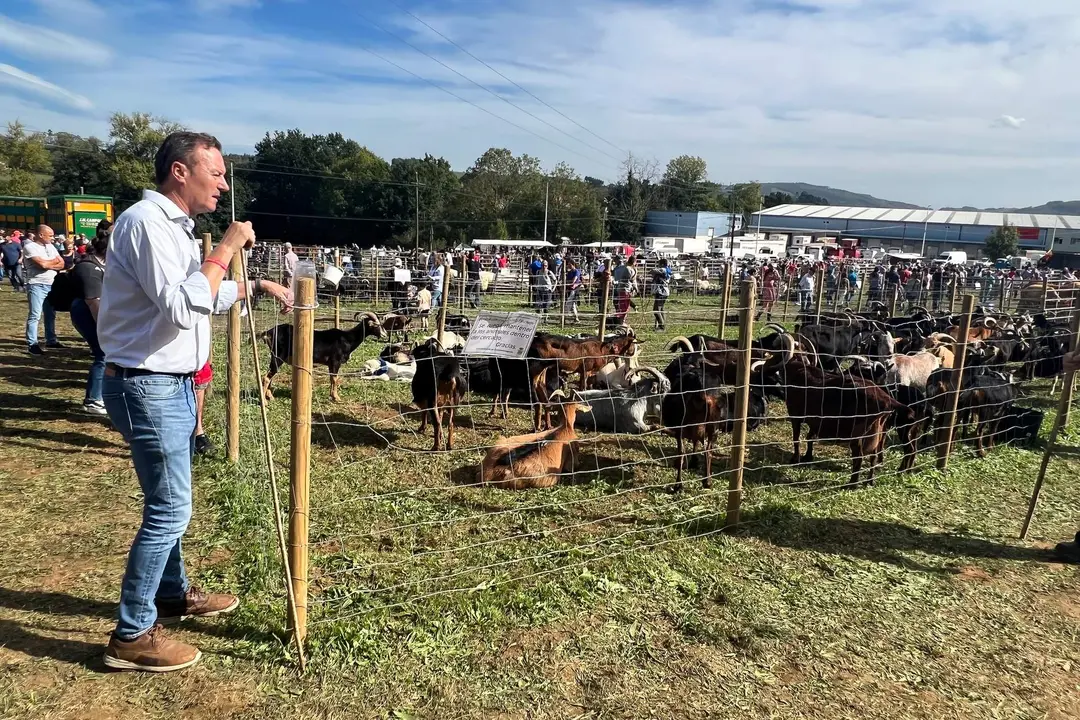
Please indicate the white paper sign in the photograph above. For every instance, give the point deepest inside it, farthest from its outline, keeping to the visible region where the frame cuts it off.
(502, 334)
(403, 276)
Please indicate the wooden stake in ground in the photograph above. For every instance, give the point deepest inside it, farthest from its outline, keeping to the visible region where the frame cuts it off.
(290, 596)
(300, 444)
(725, 298)
(946, 436)
(562, 285)
(605, 285)
(375, 262)
(742, 404)
(1062, 419)
(464, 279)
(232, 370)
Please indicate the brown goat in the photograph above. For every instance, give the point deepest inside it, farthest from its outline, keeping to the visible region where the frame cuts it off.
(584, 357)
(535, 460)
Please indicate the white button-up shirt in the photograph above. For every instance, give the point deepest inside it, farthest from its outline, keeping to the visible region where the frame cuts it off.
(155, 303)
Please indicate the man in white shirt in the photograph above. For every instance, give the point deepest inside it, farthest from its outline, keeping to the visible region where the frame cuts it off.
(291, 259)
(41, 261)
(154, 327)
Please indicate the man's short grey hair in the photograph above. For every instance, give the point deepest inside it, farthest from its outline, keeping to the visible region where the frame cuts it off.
(179, 147)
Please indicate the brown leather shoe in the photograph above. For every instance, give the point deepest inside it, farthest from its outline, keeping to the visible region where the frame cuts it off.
(152, 651)
(195, 603)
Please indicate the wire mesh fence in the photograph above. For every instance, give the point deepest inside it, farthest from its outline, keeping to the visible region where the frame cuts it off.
(435, 474)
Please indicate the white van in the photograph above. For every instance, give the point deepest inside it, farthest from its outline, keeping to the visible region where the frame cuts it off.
(952, 257)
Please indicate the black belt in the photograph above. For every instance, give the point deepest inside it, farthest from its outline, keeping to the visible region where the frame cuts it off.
(114, 370)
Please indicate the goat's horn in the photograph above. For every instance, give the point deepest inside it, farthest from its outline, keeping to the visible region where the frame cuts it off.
(989, 322)
(803, 340)
(681, 341)
(756, 364)
(777, 326)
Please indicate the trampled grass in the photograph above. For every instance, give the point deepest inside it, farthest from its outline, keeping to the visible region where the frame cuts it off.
(608, 597)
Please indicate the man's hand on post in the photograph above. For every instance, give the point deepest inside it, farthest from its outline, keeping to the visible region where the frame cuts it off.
(239, 236)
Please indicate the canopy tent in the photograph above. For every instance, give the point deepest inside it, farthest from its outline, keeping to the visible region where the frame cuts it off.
(512, 243)
(904, 256)
(601, 245)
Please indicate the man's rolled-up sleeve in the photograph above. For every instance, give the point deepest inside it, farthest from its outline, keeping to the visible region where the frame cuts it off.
(163, 275)
(226, 296)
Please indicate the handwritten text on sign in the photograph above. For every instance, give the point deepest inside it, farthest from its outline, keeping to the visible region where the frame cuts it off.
(502, 334)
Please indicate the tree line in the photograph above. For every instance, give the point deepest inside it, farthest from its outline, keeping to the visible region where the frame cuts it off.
(333, 190)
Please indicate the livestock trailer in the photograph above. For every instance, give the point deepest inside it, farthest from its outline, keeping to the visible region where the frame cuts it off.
(74, 214)
(21, 213)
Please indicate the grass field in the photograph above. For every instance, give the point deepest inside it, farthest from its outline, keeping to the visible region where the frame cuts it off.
(608, 597)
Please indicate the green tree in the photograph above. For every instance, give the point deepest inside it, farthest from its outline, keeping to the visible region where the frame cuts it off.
(24, 161)
(806, 198)
(501, 186)
(79, 164)
(133, 142)
(1002, 242)
(777, 198)
(240, 192)
(631, 198)
(687, 186)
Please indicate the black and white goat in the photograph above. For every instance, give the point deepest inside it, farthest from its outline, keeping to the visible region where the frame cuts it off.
(634, 409)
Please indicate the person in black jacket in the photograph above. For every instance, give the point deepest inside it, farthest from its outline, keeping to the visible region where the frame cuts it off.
(89, 273)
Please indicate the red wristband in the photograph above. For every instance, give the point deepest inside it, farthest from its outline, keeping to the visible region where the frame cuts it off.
(220, 264)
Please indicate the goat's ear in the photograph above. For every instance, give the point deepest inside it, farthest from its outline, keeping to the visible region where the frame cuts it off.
(584, 408)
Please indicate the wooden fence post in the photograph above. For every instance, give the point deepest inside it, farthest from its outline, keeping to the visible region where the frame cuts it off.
(819, 293)
(945, 437)
(725, 298)
(444, 301)
(300, 444)
(1045, 291)
(232, 370)
(605, 286)
(1004, 280)
(697, 275)
(337, 290)
(737, 460)
(953, 290)
(1060, 422)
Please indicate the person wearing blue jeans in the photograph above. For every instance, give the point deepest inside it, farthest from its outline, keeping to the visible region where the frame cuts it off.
(154, 326)
(89, 274)
(42, 262)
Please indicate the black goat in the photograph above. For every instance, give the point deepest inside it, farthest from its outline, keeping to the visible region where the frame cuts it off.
(332, 348)
(529, 381)
(437, 389)
(986, 396)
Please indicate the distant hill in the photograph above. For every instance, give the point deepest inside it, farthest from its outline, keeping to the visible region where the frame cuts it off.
(1054, 207)
(835, 196)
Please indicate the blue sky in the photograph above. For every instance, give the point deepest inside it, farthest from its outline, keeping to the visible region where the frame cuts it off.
(938, 102)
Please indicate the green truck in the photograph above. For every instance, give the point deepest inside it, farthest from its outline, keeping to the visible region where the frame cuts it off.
(66, 214)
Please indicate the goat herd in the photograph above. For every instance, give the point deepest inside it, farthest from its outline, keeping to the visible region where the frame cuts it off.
(849, 377)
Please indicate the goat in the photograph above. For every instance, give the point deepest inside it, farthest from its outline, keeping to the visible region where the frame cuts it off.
(985, 397)
(527, 380)
(857, 412)
(437, 389)
(697, 408)
(535, 460)
(585, 357)
(332, 347)
(381, 369)
(626, 410)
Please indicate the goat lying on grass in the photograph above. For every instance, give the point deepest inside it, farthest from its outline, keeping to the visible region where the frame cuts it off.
(535, 460)
(332, 347)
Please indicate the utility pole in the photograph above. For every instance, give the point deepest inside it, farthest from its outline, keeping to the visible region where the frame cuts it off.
(926, 223)
(547, 185)
(603, 226)
(232, 192)
(417, 175)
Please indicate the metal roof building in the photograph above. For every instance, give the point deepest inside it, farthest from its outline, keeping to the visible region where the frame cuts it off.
(905, 228)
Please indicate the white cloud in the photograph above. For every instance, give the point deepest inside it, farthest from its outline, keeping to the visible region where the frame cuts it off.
(14, 76)
(73, 11)
(43, 43)
(861, 94)
(1010, 122)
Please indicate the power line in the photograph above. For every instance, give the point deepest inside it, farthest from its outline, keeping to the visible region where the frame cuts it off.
(504, 77)
(486, 89)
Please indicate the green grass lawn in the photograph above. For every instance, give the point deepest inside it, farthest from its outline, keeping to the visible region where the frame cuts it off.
(605, 597)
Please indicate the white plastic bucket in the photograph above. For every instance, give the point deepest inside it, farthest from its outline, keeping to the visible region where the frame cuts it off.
(332, 275)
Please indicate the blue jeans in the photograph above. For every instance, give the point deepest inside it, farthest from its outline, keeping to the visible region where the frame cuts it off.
(156, 416)
(36, 295)
(84, 322)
